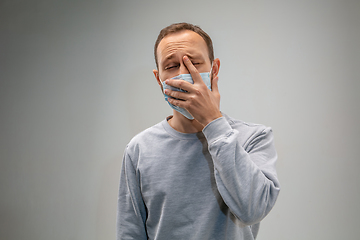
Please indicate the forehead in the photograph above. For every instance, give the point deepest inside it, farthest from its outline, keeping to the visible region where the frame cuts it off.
(183, 42)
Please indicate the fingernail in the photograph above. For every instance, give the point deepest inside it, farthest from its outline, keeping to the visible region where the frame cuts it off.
(186, 58)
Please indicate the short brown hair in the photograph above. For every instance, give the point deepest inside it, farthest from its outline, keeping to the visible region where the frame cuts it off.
(177, 27)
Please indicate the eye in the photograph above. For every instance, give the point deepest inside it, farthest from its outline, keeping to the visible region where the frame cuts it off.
(196, 63)
(171, 67)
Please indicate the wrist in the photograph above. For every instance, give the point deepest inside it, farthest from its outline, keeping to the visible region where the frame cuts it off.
(216, 129)
(212, 118)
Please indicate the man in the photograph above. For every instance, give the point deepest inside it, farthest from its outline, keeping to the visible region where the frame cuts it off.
(198, 174)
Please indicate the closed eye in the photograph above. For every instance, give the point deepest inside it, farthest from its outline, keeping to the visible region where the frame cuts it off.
(171, 67)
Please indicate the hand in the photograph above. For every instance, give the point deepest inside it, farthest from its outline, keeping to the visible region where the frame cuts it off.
(199, 101)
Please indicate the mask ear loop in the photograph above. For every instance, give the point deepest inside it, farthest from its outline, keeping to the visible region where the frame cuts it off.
(158, 75)
(211, 74)
(162, 85)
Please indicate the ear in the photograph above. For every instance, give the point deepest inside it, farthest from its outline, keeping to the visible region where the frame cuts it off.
(156, 74)
(215, 68)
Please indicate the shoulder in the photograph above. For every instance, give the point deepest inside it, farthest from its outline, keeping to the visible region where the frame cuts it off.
(251, 133)
(146, 139)
(246, 127)
(148, 134)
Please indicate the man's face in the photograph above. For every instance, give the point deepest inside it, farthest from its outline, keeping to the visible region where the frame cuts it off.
(174, 47)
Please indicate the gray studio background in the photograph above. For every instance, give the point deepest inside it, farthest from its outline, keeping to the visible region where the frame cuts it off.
(76, 85)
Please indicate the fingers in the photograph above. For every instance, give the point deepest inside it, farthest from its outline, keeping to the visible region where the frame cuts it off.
(176, 94)
(192, 69)
(176, 98)
(184, 85)
(177, 102)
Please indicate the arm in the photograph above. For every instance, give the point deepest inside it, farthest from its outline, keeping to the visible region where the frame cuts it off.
(245, 173)
(131, 213)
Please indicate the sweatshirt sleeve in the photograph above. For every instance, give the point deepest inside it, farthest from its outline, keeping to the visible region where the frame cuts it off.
(244, 172)
(131, 212)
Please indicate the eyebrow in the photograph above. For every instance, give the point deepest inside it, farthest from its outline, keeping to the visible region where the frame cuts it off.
(169, 57)
(191, 56)
(195, 56)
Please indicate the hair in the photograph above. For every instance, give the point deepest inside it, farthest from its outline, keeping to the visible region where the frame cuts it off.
(178, 27)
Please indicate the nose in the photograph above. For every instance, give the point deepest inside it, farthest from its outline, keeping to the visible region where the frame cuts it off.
(183, 69)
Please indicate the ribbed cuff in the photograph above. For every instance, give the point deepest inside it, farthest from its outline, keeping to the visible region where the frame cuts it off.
(216, 129)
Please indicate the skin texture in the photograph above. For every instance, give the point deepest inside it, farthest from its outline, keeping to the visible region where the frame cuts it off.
(183, 53)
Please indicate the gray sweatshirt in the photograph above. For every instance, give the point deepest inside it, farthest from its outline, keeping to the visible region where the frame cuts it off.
(216, 184)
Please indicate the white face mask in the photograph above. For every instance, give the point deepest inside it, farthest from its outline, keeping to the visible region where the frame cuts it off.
(186, 77)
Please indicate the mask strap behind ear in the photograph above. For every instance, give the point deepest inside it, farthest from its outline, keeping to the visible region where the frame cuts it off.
(160, 78)
(211, 69)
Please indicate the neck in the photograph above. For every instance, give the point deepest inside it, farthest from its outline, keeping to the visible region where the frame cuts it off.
(184, 125)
